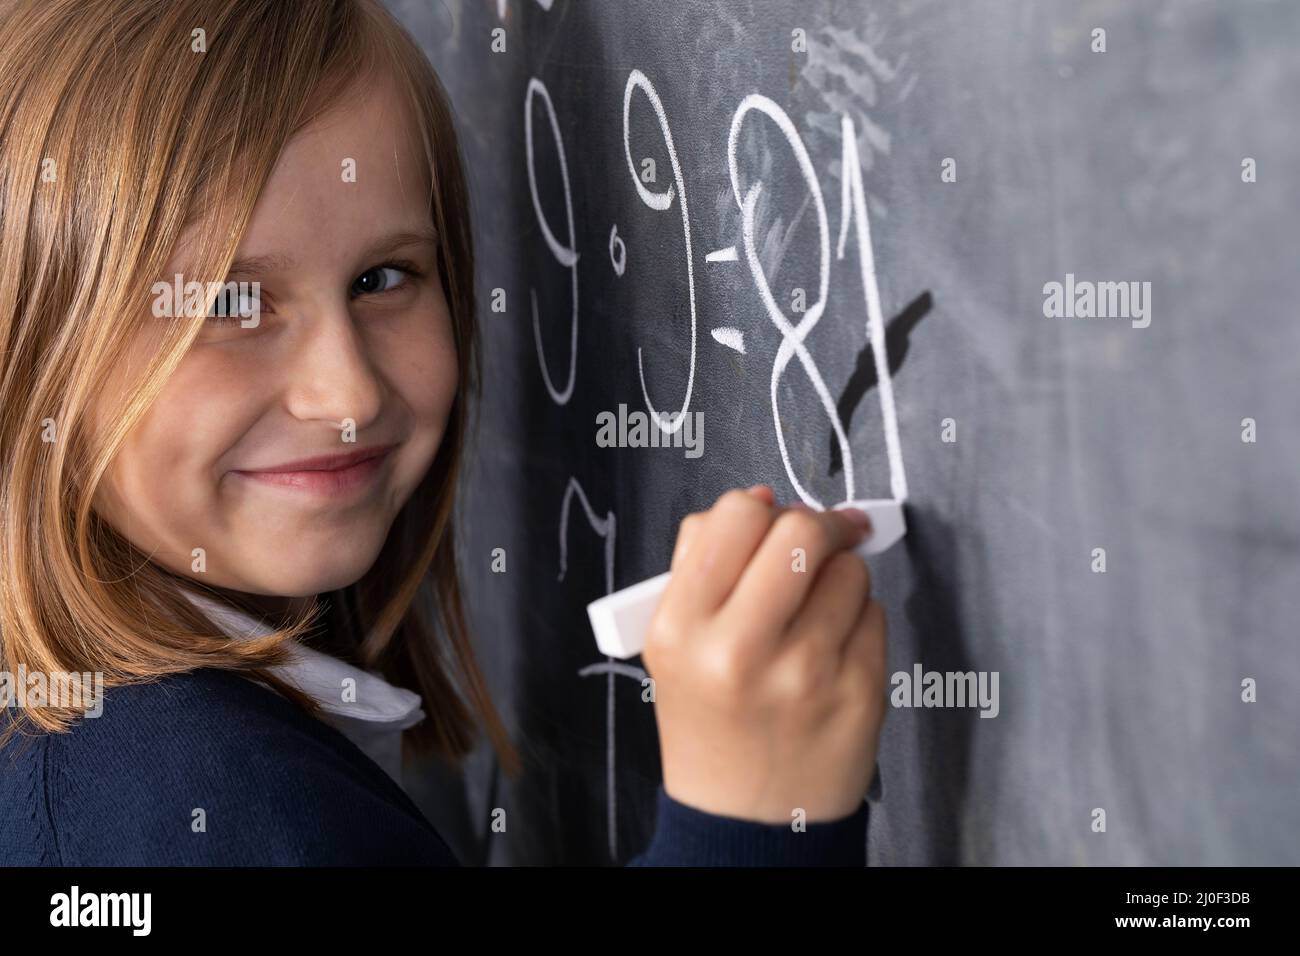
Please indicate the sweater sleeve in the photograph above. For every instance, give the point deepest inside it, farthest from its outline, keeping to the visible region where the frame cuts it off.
(685, 836)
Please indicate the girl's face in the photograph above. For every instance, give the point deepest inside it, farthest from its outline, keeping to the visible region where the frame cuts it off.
(354, 330)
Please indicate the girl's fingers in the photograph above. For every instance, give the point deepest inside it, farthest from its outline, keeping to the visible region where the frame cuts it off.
(686, 533)
(833, 607)
(690, 525)
(865, 650)
(719, 547)
(777, 581)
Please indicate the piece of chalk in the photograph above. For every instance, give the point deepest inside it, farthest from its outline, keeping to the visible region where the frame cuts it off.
(620, 620)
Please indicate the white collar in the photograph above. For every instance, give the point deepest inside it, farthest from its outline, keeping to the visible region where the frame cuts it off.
(373, 721)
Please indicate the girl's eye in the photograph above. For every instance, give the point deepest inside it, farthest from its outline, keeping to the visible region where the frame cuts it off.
(385, 278)
(232, 305)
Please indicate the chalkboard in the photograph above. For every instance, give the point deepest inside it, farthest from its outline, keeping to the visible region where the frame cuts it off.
(1073, 226)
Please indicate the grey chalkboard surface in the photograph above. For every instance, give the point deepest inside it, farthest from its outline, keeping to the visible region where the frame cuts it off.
(1043, 434)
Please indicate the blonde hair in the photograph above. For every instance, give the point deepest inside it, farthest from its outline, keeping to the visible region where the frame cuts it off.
(115, 134)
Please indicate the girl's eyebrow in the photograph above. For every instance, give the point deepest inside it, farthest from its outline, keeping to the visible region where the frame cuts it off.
(261, 265)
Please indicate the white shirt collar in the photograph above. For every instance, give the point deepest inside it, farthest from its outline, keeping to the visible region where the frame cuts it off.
(374, 720)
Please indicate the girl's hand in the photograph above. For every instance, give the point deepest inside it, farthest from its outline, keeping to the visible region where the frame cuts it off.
(769, 680)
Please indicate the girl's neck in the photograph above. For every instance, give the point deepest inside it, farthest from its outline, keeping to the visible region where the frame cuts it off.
(333, 632)
(273, 607)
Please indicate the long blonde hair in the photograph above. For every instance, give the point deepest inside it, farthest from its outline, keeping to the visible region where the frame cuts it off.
(116, 132)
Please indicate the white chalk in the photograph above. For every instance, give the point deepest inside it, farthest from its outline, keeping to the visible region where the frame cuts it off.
(620, 619)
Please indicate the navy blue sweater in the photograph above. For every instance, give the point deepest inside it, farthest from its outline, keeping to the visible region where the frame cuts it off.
(271, 785)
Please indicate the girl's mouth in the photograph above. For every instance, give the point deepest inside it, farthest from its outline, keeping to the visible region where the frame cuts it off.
(326, 474)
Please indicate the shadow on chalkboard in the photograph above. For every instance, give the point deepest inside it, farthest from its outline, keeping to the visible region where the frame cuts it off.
(864, 378)
(944, 742)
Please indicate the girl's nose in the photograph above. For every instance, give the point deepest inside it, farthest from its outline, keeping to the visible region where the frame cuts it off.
(333, 376)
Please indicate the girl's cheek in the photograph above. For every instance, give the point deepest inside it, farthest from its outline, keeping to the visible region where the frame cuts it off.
(423, 358)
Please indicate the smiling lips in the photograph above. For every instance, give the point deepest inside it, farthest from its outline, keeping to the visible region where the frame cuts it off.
(325, 474)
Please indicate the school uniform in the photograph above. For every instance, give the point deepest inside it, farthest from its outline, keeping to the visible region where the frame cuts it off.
(212, 768)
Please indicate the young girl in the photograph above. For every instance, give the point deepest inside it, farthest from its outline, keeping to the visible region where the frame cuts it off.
(226, 507)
